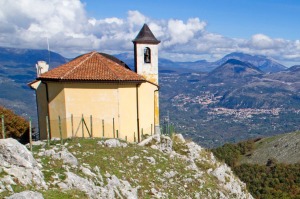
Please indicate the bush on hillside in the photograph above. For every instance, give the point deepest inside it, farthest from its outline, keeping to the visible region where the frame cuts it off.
(15, 126)
(272, 180)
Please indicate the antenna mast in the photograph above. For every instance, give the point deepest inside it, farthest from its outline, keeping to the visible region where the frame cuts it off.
(48, 51)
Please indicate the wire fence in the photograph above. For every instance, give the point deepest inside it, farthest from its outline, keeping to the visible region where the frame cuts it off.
(91, 127)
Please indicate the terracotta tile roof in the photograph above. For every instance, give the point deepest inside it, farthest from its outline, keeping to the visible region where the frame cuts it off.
(146, 36)
(92, 66)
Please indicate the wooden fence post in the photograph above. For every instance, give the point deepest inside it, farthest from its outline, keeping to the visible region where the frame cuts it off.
(117, 134)
(114, 127)
(134, 138)
(48, 131)
(3, 127)
(82, 128)
(60, 132)
(103, 128)
(72, 125)
(30, 134)
(91, 121)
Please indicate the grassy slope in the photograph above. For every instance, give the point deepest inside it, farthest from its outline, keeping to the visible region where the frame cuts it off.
(277, 178)
(138, 172)
(285, 148)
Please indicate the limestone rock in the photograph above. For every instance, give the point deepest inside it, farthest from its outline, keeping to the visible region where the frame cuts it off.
(74, 181)
(14, 153)
(115, 188)
(87, 172)
(17, 161)
(152, 140)
(114, 143)
(151, 160)
(121, 188)
(38, 143)
(230, 182)
(179, 138)
(161, 142)
(26, 195)
(67, 157)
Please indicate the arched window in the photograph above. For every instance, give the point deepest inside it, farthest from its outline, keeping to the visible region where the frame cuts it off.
(147, 55)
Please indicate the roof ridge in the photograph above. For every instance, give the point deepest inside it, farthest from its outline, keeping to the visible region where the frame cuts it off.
(70, 71)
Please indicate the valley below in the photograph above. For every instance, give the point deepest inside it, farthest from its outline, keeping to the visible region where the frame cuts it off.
(235, 98)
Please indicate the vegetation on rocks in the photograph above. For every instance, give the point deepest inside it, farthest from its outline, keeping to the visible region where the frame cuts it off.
(269, 166)
(158, 167)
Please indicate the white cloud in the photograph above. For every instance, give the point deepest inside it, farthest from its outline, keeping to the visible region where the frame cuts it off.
(263, 42)
(181, 33)
(27, 23)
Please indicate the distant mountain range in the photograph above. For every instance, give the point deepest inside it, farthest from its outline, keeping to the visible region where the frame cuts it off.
(17, 69)
(266, 64)
(194, 93)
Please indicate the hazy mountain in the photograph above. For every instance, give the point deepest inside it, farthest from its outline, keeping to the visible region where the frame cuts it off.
(232, 70)
(17, 69)
(206, 106)
(264, 63)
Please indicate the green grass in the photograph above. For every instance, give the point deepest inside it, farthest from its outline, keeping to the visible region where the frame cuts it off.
(138, 172)
(58, 194)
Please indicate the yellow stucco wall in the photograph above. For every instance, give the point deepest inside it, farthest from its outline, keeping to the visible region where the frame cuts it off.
(114, 105)
(56, 108)
(147, 108)
(128, 112)
(42, 107)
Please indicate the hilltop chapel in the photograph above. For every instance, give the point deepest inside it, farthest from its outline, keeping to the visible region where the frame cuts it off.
(97, 95)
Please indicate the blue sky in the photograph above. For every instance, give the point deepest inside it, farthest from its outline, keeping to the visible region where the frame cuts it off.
(189, 30)
(231, 18)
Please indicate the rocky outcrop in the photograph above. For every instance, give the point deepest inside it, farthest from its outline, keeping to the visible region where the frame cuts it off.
(26, 195)
(157, 141)
(111, 143)
(19, 165)
(203, 163)
(155, 166)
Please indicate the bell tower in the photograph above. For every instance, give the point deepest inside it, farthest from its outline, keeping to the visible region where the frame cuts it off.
(146, 64)
(146, 54)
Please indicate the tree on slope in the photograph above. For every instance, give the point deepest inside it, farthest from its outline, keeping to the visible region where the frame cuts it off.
(15, 126)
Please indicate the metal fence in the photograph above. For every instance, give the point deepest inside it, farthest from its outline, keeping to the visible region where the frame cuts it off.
(91, 127)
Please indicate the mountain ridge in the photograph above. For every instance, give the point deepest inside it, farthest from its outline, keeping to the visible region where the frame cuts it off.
(199, 105)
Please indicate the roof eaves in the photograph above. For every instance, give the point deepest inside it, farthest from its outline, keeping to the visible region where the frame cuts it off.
(92, 81)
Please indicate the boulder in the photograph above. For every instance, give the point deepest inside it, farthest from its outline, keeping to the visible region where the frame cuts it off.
(114, 143)
(17, 161)
(67, 157)
(157, 141)
(14, 153)
(26, 195)
(179, 138)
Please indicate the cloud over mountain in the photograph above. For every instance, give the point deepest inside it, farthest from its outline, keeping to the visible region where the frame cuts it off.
(70, 31)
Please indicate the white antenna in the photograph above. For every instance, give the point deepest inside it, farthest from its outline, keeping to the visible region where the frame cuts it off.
(48, 51)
